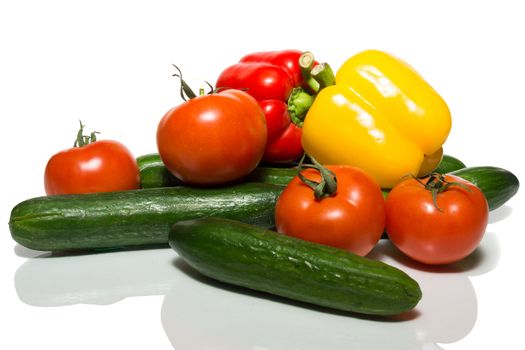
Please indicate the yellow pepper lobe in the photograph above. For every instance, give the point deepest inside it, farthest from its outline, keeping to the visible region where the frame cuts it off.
(380, 116)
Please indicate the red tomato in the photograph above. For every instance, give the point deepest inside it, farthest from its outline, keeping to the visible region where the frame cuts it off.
(352, 219)
(439, 234)
(101, 166)
(213, 139)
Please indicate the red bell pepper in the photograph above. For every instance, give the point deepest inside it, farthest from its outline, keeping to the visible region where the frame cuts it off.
(275, 80)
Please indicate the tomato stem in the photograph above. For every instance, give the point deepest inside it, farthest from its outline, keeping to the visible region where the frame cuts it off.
(83, 140)
(327, 187)
(185, 90)
(186, 93)
(437, 183)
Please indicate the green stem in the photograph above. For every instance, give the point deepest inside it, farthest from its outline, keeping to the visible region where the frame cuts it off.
(299, 103)
(306, 63)
(83, 140)
(327, 187)
(437, 184)
(324, 75)
(185, 90)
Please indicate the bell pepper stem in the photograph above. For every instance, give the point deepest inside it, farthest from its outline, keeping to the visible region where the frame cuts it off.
(306, 63)
(324, 75)
(327, 187)
(299, 103)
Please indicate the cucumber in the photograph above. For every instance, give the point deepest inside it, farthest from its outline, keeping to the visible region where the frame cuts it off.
(448, 164)
(133, 218)
(267, 261)
(497, 184)
(274, 176)
(153, 174)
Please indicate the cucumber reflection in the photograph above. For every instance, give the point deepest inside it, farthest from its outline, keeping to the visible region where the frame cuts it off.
(198, 313)
(95, 279)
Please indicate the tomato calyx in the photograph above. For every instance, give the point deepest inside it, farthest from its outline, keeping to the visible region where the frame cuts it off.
(327, 187)
(84, 140)
(436, 184)
(186, 93)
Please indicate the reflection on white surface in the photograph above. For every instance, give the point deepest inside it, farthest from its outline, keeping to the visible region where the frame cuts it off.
(198, 313)
(95, 279)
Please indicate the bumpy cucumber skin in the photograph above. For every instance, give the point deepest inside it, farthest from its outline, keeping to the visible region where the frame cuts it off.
(448, 164)
(497, 184)
(264, 260)
(153, 172)
(274, 176)
(133, 218)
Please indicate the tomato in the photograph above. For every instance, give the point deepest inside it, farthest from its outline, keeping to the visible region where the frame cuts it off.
(439, 232)
(99, 166)
(352, 218)
(213, 139)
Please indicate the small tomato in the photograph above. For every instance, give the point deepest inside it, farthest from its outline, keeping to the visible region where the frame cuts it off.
(352, 217)
(91, 166)
(436, 220)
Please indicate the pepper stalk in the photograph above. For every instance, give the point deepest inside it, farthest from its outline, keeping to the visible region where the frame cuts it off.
(316, 77)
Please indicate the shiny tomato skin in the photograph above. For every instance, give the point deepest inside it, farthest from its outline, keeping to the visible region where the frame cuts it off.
(101, 166)
(430, 235)
(213, 139)
(353, 219)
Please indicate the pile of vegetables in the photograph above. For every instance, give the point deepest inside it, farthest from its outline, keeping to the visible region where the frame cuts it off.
(282, 179)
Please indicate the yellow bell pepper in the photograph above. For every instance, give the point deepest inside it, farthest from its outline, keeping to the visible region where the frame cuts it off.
(380, 116)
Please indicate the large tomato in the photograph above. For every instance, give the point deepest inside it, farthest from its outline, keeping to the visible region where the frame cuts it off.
(440, 228)
(352, 218)
(98, 166)
(213, 139)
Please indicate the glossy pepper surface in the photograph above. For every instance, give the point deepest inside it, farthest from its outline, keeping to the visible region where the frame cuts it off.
(381, 116)
(275, 79)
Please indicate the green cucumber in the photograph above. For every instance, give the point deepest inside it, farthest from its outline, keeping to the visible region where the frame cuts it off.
(448, 164)
(497, 184)
(133, 218)
(153, 174)
(275, 176)
(267, 261)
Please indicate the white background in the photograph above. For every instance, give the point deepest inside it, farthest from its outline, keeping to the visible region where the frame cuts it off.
(108, 63)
